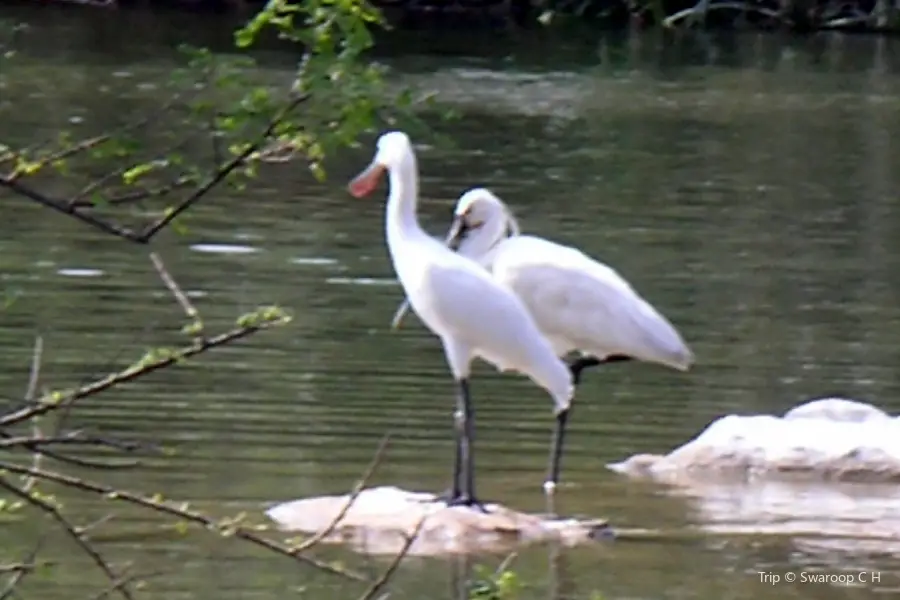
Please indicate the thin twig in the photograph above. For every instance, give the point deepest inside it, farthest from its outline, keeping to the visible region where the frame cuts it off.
(154, 228)
(224, 171)
(11, 154)
(35, 374)
(170, 282)
(181, 513)
(95, 141)
(34, 444)
(125, 581)
(504, 564)
(24, 569)
(78, 200)
(27, 566)
(69, 529)
(62, 416)
(72, 438)
(137, 196)
(389, 572)
(50, 403)
(60, 155)
(354, 494)
(84, 529)
(72, 211)
(30, 393)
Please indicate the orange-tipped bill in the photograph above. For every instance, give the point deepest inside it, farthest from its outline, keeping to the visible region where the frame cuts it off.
(366, 182)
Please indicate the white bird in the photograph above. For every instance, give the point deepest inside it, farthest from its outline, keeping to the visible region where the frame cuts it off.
(578, 303)
(471, 313)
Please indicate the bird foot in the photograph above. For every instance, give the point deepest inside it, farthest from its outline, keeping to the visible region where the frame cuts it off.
(450, 498)
(469, 501)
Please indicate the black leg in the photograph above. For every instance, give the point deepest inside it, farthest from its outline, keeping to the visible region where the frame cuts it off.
(559, 434)
(584, 362)
(464, 406)
(453, 494)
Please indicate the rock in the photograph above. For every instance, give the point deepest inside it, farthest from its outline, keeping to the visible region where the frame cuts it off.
(381, 518)
(816, 475)
(837, 409)
(830, 439)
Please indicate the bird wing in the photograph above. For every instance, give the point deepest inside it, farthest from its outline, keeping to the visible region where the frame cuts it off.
(471, 305)
(573, 297)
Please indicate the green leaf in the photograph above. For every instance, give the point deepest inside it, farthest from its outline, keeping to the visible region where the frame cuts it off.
(136, 172)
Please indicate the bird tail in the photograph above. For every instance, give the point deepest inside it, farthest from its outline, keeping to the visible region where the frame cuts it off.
(671, 349)
(554, 375)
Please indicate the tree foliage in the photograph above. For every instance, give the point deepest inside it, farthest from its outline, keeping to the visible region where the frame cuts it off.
(223, 117)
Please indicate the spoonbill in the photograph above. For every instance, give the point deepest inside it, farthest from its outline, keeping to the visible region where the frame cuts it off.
(578, 303)
(471, 313)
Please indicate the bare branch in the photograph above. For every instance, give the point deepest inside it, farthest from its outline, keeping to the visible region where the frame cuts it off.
(66, 209)
(35, 444)
(223, 171)
(69, 529)
(354, 494)
(382, 581)
(123, 581)
(139, 195)
(78, 200)
(93, 142)
(72, 438)
(55, 401)
(73, 207)
(87, 144)
(30, 393)
(181, 513)
(21, 570)
(82, 530)
(180, 296)
(35, 369)
(15, 568)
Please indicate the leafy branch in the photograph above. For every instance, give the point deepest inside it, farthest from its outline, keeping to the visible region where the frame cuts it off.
(12, 181)
(221, 121)
(31, 494)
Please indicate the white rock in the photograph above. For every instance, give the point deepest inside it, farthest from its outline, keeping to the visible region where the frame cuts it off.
(380, 519)
(817, 474)
(828, 439)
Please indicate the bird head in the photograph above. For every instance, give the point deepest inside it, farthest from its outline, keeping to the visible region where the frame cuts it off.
(391, 149)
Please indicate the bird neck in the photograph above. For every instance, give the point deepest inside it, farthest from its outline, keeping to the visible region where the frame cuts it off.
(481, 245)
(401, 221)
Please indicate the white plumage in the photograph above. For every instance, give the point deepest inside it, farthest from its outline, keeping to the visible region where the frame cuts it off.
(583, 305)
(578, 303)
(472, 314)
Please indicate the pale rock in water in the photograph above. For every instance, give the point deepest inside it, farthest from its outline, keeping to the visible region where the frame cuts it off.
(824, 474)
(380, 519)
(829, 439)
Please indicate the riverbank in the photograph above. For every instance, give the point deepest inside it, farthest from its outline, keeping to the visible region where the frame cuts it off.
(871, 16)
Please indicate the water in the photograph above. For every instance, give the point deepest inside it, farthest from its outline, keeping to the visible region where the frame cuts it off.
(747, 186)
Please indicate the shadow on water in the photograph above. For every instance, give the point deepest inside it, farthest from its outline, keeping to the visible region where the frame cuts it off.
(746, 185)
